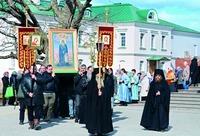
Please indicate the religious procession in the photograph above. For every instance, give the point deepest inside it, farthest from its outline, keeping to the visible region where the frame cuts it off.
(99, 59)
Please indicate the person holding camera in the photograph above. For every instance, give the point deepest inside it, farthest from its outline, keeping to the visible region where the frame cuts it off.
(80, 80)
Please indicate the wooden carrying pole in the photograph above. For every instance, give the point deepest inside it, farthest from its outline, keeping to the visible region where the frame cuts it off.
(99, 81)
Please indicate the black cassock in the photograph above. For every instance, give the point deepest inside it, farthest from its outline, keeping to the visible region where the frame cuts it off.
(99, 118)
(156, 110)
(194, 71)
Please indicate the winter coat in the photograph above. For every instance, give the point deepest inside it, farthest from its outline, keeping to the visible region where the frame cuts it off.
(30, 85)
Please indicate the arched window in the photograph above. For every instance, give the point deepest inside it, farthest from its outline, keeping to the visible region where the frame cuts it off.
(87, 13)
(152, 16)
(141, 65)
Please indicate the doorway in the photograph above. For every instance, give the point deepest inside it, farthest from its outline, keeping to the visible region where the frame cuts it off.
(152, 66)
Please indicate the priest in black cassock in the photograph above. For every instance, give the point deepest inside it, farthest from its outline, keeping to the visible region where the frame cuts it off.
(99, 114)
(156, 110)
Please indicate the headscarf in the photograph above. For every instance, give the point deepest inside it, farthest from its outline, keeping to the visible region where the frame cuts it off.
(6, 74)
(179, 70)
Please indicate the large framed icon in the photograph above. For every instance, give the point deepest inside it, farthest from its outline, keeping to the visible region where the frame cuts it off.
(63, 50)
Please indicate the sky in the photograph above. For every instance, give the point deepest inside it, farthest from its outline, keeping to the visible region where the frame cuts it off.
(182, 12)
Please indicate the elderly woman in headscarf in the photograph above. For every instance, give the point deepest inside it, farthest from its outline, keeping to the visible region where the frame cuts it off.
(186, 75)
(179, 78)
(5, 81)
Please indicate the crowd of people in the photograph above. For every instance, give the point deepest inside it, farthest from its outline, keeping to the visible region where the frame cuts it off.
(182, 78)
(35, 91)
(90, 94)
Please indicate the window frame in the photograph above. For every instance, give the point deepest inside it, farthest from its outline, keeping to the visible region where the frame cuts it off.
(163, 42)
(153, 37)
(141, 66)
(80, 34)
(122, 39)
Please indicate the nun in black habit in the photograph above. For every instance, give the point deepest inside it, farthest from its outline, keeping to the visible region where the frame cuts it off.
(156, 110)
(99, 118)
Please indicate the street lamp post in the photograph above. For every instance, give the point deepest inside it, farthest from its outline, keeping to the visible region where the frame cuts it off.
(100, 48)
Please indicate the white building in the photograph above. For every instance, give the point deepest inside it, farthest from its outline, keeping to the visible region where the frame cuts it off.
(142, 40)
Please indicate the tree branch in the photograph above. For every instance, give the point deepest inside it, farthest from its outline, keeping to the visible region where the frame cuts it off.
(81, 8)
(7, 34)
(9, 22)
(11, 55)
(39, 8)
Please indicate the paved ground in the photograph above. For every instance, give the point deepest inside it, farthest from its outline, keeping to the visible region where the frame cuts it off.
(125, 121)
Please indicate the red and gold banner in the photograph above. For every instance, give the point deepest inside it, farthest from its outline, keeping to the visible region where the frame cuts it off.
(106, 35)
(26, 56)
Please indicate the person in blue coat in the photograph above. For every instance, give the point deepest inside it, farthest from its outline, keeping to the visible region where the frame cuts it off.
(124, 95)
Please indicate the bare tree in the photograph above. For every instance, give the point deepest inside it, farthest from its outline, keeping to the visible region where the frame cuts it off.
(16, 9)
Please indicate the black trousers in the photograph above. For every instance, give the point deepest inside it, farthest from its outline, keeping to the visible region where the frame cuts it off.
(22, 109)
(79, 100)
(34, 112)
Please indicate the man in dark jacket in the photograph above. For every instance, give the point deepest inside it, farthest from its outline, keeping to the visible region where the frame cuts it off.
(32, 86)
(51, 82)
(80, 80)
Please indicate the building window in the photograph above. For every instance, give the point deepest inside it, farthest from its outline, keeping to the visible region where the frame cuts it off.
(12, 63)
(80, 34)
(163, 42)
(141, 65)
(153, 41)
(123, 39)
(142, 40)
(87, 13)
(151, 15)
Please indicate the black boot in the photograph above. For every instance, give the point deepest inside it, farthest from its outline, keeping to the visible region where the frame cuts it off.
(21, 122)
(31, 125)
(37, 124)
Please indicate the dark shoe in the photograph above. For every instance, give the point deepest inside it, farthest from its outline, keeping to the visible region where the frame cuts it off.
(37, 124)
(31, 125)
(125, 104)
(37, 127)
(21, 122)
(71, 117)
(76, 120)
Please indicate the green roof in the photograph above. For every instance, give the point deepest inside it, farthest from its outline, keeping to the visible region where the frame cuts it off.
(158, 58)
(119, 13)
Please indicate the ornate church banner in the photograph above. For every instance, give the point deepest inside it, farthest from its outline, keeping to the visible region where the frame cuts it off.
(106, 35)
(26, 55)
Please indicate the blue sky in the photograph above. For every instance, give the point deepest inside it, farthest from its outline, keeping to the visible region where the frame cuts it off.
(181, 12)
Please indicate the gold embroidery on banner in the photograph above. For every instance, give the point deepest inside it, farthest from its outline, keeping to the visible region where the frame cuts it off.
(26, 56)
(107, 55)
